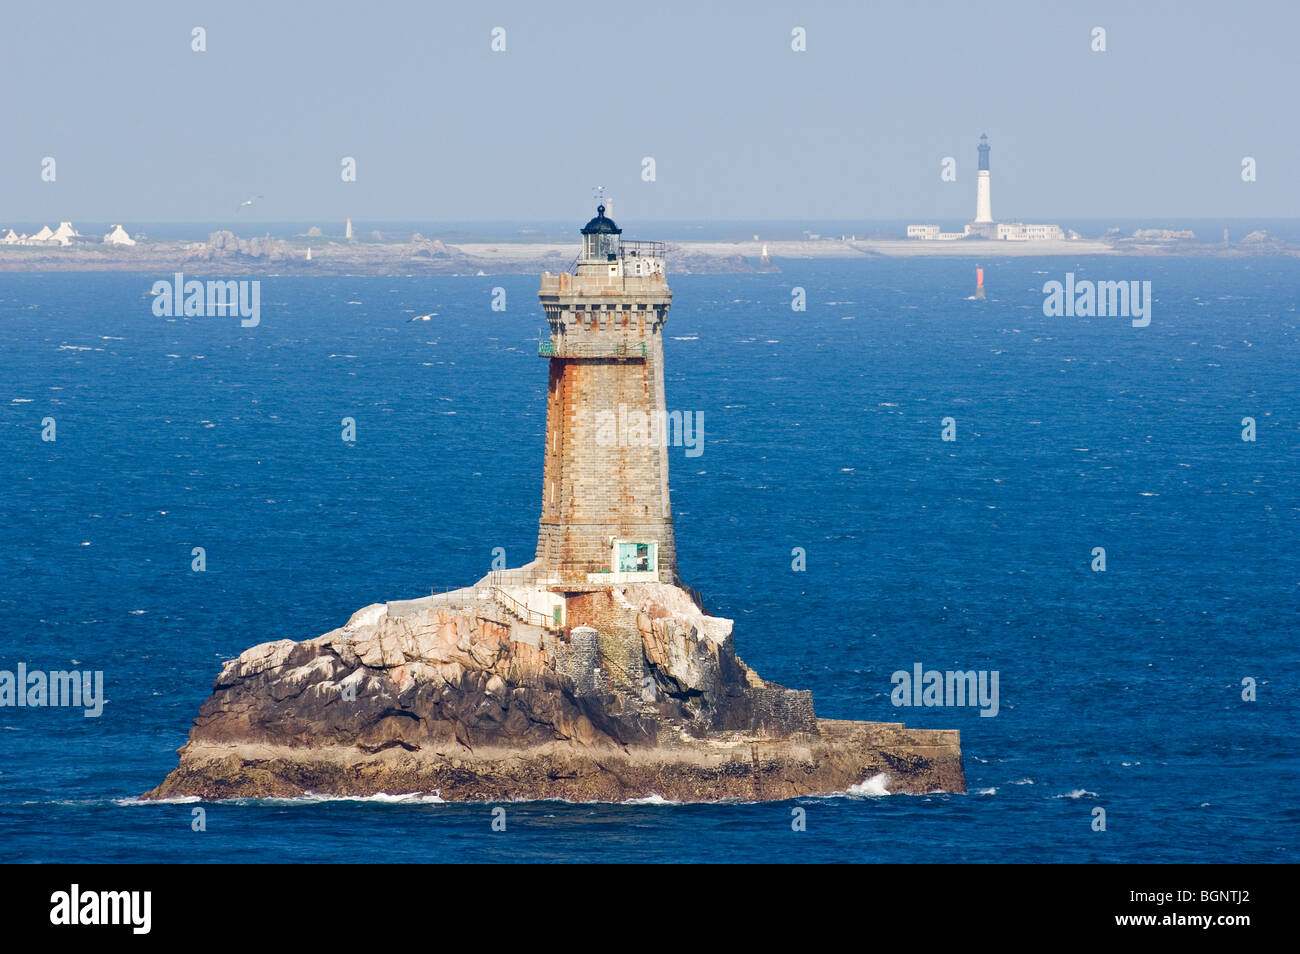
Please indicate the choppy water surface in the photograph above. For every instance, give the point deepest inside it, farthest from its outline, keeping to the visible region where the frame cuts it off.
(1119, 689)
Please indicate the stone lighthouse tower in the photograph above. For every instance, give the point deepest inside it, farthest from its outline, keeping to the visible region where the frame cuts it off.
(605, 511)
(983, 201)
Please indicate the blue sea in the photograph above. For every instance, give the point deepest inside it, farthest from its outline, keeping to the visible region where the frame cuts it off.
(1120, 690)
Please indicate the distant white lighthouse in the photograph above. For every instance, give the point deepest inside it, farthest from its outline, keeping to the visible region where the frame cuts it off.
(983, 200)
(984, 227)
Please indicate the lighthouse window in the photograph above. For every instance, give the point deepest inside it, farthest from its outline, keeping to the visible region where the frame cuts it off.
(600, 245)
(637, 557)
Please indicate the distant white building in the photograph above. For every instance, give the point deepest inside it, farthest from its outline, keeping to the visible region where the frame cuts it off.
(931, 233)
(1020, 232)
(117, 236)
(44, 235)
(10, 239)
(64, 234)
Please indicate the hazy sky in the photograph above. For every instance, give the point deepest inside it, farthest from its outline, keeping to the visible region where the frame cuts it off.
(740, 126)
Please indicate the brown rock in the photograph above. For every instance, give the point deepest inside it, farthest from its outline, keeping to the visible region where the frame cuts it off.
(454, 697)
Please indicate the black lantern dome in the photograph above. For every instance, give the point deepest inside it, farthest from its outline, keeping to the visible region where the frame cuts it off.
(600, 238)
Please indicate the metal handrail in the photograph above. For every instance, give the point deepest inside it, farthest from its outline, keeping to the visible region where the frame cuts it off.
(523, 611)
(510, 577)
(630, 249)
(547, 349)
(643, 249)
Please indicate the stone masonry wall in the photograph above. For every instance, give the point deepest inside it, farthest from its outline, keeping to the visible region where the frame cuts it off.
(600, 478)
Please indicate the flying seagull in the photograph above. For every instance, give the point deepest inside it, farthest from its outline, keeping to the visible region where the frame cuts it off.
(431, 314)
(248, 202)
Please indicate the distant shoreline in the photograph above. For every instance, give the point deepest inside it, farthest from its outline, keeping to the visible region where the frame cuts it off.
(231, 255)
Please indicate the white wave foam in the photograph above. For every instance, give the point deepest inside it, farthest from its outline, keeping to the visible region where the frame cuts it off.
(1079, 793)
(315, 798)
(873, 787)
(177, 800)
(311, 798)
(652, 799)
